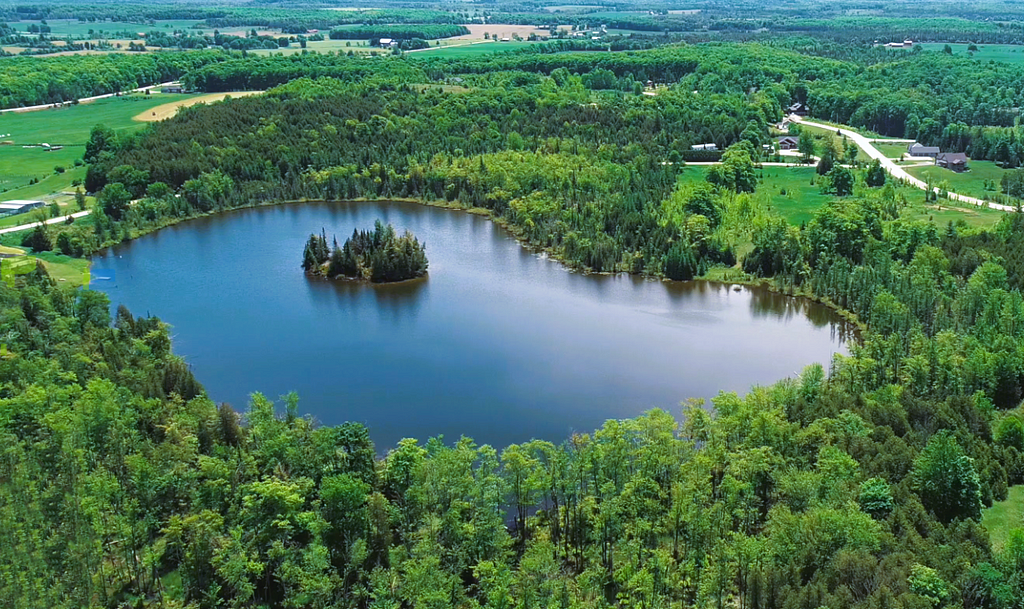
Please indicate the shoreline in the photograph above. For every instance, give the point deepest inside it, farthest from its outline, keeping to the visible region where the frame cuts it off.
(857, 326)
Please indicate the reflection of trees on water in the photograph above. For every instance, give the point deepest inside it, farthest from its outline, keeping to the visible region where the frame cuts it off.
(395, 301)
(765, 303)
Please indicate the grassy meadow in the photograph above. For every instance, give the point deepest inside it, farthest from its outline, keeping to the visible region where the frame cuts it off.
(1004, 516)
(971, 182)
(61, 28)
(474, 49)
(1006, 53)
(68, 127)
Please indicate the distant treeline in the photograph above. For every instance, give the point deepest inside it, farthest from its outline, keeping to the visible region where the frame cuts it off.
(32, 81)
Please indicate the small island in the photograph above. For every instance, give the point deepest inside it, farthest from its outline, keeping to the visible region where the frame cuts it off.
(378, 256)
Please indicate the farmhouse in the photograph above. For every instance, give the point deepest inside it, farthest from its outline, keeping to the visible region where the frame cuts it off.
(17, 206)
(789, 143)
(388, 43)
(916, 149)
(954, 161)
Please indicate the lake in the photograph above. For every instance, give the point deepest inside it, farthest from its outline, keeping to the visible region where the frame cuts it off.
(497, 343)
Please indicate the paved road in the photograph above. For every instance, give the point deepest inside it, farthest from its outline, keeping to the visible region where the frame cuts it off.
(83, 100)
(895, 170)
(57, 220)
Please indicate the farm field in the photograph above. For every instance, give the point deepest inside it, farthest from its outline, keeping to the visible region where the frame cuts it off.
(68, 127)
(475, 49)
(60, 28)
(1007, 53)
(169, 109)
(324, 46)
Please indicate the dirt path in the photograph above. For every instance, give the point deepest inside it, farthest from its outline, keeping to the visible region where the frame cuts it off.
(168, 110)
(895, 170)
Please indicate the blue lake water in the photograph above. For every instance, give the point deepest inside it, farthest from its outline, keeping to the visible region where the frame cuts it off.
(497, 343)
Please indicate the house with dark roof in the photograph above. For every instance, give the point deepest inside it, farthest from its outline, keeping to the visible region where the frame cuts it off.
(916, 149)
(954, 161)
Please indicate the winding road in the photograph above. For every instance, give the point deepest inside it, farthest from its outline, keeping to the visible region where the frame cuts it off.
(895, 170)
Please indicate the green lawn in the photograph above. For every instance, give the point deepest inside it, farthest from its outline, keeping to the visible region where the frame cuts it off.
(75, 271)
(971, 182)
(791, 192)
(1004, 516)
(1008, 53)
(68, 127)
(891, 151)
(472, 50)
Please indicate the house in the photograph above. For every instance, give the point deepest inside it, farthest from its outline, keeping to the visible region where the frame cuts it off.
(173, 89)
(916, 149)
(954, 161)
(799, 108)
(387, 43)
(704, 147)
(789, 142)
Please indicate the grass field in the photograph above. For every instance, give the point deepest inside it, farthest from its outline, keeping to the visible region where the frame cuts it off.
(1007, 53)
(472, 50)
(942, 212)
(792, 194)
(802, 198)
(892, 151)
(68, 127)
(325, 46)
(60, 28)
(1004, 516)
(971, 183)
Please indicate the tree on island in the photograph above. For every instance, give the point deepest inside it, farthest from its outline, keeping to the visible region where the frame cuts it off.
(379, 256)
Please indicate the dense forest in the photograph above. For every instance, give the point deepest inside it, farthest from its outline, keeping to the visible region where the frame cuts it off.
(380, 256)
(858, 484)
(123, 483)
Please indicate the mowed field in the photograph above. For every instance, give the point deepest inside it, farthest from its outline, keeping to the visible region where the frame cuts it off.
(1007, 53)
(68, 127)
(971, 182)
(795, 194)
(1004, 516)
(473, 49)
(60, 28)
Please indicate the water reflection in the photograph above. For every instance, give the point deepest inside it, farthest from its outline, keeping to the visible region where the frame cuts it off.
(497, 342)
